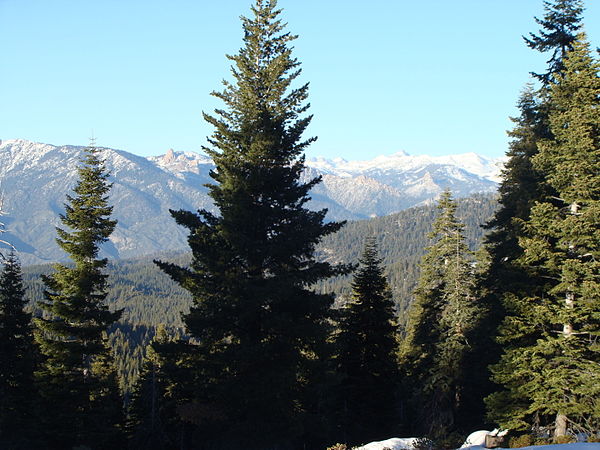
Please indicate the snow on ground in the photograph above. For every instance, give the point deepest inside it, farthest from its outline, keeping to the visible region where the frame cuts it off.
(407, 444)
(477, 438)
(576, 446)
(391, 444)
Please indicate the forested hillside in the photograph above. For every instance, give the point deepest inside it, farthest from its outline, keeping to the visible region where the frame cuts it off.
(148, 297)
(402, 239)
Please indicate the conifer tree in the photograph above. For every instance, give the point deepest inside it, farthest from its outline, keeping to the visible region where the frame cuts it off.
(560, 25)
(367, 350)
(553, 380)
(17, 396)
(78, 379)
(443, 316)
(147, 412)
(256, 325)
(522, 185)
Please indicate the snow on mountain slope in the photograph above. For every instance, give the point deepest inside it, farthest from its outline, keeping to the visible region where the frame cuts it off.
(400, 162)
(36, 177)
(380, 186)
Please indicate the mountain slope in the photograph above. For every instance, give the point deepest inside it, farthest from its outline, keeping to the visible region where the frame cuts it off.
(35, 179)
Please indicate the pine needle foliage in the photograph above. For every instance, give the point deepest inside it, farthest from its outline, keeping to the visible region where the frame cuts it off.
(560, 26)
(148, 409)
(367, 354)
(552, 382)
(442, 318)
(524, 184)
(257, 327)
(17, 351)
(77, 377)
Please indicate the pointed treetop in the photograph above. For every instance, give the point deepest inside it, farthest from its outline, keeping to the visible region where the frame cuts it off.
(560, 25)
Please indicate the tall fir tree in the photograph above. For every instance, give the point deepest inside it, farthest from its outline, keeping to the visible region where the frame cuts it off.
(367, 355)
(560, 25)
(442, 319)
(553, 381)
(257, 327)
(522, 185)
(78, 378)
(17, 395)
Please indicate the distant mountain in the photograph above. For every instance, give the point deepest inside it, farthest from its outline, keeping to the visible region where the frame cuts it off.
(377, 187)
(35, 178)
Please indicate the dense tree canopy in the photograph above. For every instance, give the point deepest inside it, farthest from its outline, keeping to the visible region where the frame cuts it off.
(77, 377)
(444, 315)
(17, 404)
(552, 380)
(257, 327)
(366, 356)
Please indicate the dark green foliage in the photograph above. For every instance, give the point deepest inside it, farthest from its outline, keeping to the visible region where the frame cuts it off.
(147, 297)
(401, 240)
(550, 365)
(77, 378)
(150, 298)
(17, 396)
(148, 413)
(524, 184)
(366, 358)
(442, 320)
(258, 329)
(560, 25)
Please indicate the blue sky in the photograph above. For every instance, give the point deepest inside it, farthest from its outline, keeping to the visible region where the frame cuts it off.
(432, 77)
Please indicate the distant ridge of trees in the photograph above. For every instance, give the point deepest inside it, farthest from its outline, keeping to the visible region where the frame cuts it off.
(150, 298)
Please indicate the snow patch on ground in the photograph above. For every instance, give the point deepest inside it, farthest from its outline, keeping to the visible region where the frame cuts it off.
(391, 444)
(475, 441)
(477, 438)
(575, 446)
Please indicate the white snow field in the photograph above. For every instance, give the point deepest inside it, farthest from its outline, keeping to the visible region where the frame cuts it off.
(475, 441)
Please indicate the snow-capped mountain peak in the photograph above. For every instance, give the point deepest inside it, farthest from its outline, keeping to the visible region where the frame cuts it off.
(486, 168)
(36, 177)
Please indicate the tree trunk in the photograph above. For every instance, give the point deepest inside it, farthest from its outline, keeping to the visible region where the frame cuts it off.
(560, 425)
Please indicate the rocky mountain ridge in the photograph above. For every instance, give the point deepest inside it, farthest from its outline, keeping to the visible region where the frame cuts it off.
(35, 178)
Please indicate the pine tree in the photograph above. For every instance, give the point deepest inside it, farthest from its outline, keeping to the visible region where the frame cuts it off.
(560, 25)
(256, 325)
(443, 316)
(17, 419)
(78, 379)
(553, 381)
(522, 185)
(148, 409)
(367, 350)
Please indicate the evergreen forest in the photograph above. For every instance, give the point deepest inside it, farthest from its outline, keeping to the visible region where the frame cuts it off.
(280, 330)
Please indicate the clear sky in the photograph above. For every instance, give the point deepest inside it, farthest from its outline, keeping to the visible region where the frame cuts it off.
(428, 77)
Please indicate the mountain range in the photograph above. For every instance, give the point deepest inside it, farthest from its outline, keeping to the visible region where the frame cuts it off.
(36, 177)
